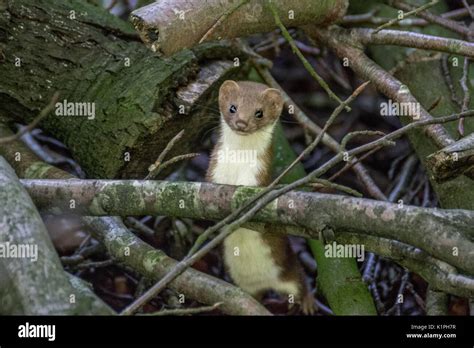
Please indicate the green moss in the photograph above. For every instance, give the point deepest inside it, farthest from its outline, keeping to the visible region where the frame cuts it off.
(85, 60)
(175, 197)
(243, 194)
(37, 170)
(151, 259)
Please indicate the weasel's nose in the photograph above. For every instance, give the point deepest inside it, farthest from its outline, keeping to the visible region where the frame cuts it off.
(241, 125)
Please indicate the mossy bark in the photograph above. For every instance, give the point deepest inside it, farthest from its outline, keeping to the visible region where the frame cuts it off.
(90, 56)
(154, 264)
(33, 282)
(140, 256)
(437, 231)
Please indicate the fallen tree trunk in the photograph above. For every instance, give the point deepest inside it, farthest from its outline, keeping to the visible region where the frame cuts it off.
(168, 26)
(121, 104)
(33, 280)
(116, 237)
(445, 234)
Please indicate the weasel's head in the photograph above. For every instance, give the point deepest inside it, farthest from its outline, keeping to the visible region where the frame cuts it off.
(247, 106)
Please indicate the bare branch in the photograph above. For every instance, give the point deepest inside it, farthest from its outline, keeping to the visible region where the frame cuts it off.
(185, 311)
(408, 14)
(414, 40)
(300, 55)
(382, 80)
(432, 18)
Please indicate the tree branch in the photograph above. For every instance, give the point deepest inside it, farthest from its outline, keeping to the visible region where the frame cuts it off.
(414, 40)
(440, 275)
(154, 264)
(420, 227)
(337, 39)
(432, 18)
(33, 280)
(193, 284)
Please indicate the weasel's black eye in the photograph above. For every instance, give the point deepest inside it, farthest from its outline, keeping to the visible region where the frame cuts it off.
(233, 109)
(259, 114)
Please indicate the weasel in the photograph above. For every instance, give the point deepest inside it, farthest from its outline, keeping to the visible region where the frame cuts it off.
(256, 261)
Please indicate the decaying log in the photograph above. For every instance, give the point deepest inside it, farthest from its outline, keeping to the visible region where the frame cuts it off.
(96, 60)
(168, 26)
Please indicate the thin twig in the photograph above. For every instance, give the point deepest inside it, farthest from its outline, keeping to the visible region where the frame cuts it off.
(404, 178)
(348, 137)
(167, 149)
(155, 172)
(468, 8)
(326, 183)
(401, 290)
(448, 79)
(45, 112)
(94, 264)
(140, 227)
(184, 311)
(408, 14)
(327, 140)
(467, 96)
(368, 18)
(300, 55)
(329, 122)
(432, 18)
(355, 162)
(158, 166)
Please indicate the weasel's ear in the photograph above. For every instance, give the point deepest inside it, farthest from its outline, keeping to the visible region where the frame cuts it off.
(272, 97)
(229, 88)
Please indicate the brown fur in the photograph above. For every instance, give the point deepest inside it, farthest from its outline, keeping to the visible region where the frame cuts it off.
(248, 97)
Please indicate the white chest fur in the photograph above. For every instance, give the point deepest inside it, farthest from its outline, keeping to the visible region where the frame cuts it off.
(237, 161)
(247, 256)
